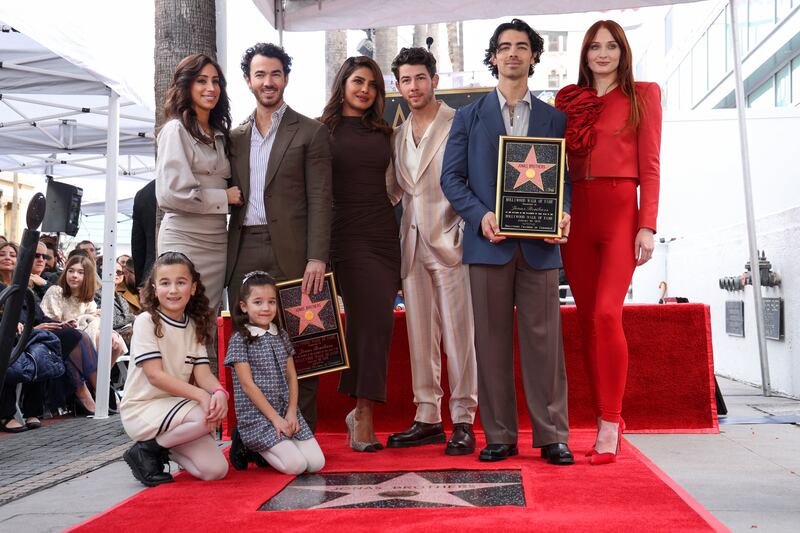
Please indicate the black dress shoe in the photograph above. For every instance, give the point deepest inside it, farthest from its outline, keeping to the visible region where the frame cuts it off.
(498, 452)
(462, 440)
(418, 434)
(558, 454)
(146, 460)
(239, 454)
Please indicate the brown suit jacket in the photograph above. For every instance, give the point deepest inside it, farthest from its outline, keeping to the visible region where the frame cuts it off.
(426, 211)
(297, 192)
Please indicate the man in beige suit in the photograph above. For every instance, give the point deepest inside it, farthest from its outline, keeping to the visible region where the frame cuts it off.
(435, 282)
(281, 161)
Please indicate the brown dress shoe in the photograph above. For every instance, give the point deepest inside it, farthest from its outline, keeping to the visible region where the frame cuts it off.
(462, 440)
(418, 434)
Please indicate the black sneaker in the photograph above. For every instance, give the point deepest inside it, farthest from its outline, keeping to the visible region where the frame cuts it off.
(239, 452)
(146, 462)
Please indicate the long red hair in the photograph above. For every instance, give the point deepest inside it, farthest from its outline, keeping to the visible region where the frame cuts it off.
(624, 69)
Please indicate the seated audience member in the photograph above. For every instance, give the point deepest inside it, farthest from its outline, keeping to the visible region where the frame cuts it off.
(126, 287)
(73, 299)
(77, 352)
(123, 318)
(8, 261)
(38, 282)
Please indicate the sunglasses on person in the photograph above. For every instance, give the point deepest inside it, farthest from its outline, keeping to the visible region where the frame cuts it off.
(120, 272)
(42, 256)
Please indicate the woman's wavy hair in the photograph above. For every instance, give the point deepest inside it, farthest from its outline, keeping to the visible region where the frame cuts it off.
(12, 245)
(178, 103)
(90, 283)
(197, 308)
(373, 118)
(624, 69)
(257, 278)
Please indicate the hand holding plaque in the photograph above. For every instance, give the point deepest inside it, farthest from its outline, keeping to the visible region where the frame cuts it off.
(314, 325)
(530, 187)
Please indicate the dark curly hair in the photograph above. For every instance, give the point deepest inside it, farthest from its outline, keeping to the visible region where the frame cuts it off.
(197, 309)
(178, 103)
(373, 118)
(537, 43)
(268, 50)
(414, 56)
(257, 278)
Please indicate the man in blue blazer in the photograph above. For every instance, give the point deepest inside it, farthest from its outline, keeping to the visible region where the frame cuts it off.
(505, 272)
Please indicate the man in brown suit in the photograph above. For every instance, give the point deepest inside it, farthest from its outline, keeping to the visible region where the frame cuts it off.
(435, 282)
(281, 161)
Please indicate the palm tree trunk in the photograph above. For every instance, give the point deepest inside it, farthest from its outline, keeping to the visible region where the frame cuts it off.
(335, 54)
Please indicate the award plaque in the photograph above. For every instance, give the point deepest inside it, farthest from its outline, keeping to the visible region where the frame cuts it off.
(530, 187)
(314, 325)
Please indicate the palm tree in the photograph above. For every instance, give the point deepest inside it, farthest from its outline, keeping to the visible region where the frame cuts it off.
(182, 27)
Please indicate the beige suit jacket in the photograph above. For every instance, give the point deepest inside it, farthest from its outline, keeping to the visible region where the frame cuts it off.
(426, 211)
(297, 192)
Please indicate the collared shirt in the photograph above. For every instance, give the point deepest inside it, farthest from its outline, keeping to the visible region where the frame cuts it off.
(516, 119)
(260, 149)
(414, 151)
(257, 331)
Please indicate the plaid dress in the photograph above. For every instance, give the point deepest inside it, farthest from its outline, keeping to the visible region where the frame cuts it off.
(267, 357)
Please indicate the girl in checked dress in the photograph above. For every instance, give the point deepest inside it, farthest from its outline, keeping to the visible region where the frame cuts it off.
(265, 386)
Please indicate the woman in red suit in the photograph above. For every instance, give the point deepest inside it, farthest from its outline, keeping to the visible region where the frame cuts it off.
(613, 142)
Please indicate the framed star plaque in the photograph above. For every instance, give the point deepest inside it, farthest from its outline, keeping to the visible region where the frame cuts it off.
(314, 325)
(530, 187)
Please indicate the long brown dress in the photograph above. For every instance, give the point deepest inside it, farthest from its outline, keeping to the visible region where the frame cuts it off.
(365, 252)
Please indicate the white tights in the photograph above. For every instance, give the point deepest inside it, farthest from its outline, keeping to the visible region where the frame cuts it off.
(191, 446)
(293, 456)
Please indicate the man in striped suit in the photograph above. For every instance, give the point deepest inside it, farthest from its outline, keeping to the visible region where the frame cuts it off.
(435, 282)
(281, 161)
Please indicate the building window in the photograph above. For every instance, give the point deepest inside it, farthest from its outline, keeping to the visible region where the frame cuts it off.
(686, 84)
(763, 97)
(699, 70)
(553, 80)
(782, 8)
(557, 41)
(796, 80)
(668, 31)
(717, 65)
(673, 91)
(783, 87)
(760, 20)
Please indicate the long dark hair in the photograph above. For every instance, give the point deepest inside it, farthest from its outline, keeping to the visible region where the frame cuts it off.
(253, 279)
(197, 308)
(373, 117)
(179, 105)
(90, 284)
(624, 69)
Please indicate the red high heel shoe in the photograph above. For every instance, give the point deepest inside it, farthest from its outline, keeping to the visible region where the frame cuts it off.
(597, 459)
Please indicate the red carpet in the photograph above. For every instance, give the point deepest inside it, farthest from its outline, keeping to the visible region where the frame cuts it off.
(670, 385)
(629, 495)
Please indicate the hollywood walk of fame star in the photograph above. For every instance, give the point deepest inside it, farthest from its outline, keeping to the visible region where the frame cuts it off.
(308, 312)
(409, 486)
(530, 170)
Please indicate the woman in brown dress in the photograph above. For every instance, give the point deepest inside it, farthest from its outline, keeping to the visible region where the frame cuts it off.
(365, 244)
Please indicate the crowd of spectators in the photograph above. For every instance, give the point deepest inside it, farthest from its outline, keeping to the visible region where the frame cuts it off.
(57, 372)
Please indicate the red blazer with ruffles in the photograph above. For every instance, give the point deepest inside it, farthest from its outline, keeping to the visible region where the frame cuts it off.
(599, 145)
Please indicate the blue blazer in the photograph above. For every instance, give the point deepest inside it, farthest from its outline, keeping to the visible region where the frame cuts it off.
(469, 178)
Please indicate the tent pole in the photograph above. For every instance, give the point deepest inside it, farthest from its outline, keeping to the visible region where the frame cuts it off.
(279, 9)
(109, 260)
(755, 273)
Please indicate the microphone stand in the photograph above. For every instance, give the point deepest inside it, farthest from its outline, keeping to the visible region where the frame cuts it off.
(15, 295)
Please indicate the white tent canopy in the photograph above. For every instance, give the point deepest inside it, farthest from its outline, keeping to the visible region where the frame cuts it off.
(313, 15)
(54, 115)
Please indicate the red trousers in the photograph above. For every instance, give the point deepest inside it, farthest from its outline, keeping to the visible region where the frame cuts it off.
(599, 260)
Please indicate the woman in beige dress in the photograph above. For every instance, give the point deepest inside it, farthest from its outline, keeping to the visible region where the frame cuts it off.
(192, 170)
